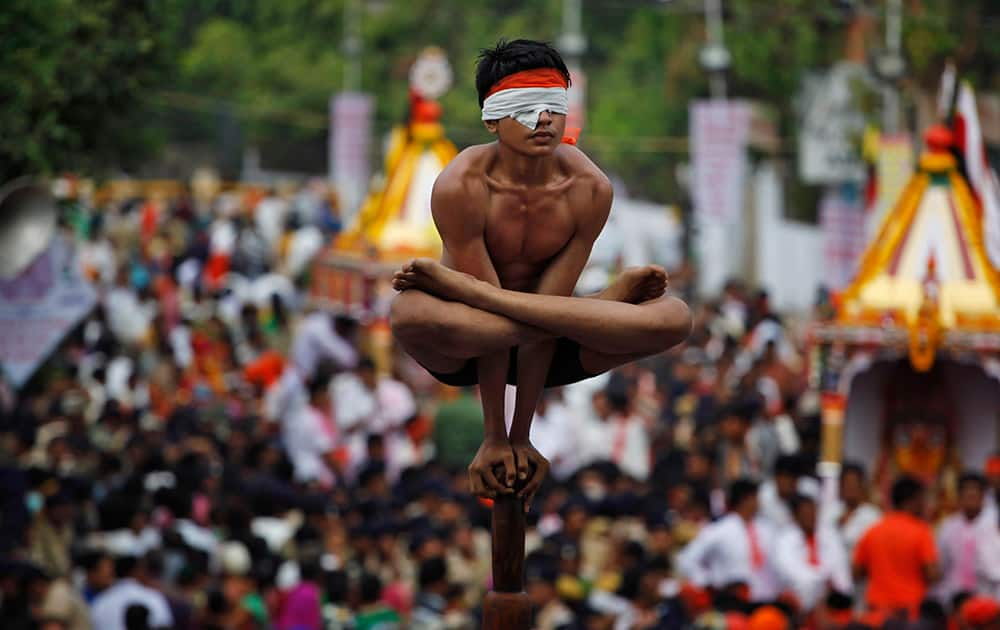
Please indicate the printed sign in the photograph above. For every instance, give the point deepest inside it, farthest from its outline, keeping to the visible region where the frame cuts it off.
(38, 308)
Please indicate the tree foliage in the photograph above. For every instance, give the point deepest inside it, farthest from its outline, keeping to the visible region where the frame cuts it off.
(71, 78)
(81, 79)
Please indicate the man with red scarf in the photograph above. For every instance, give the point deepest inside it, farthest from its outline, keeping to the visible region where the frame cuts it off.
(737, 549)
(810, 558)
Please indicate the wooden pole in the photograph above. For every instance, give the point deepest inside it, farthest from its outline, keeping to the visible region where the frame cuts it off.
(507, 606)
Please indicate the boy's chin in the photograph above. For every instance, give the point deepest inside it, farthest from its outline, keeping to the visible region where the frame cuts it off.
(535, 150)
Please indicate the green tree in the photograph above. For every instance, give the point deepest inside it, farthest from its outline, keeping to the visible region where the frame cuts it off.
(94, 84)
(72, 75)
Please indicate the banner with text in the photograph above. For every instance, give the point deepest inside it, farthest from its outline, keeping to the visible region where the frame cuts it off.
(831, 125)
(842, 220)
(38, 308)
(350, 139)
(719, 133)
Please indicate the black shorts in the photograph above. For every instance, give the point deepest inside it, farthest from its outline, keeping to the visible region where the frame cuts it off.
(566, 368)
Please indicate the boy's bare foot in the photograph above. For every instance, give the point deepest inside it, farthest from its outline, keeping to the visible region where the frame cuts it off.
(434, 278)
(636, 285)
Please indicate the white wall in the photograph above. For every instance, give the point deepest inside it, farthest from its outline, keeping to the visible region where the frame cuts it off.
(789, 256)
(718, 254)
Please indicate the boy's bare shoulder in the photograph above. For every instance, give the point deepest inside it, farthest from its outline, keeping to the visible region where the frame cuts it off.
(576, 163)
(465, 175)
(591, 180)
(459, 196)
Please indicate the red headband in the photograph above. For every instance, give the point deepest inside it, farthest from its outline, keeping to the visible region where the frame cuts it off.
(537, 78)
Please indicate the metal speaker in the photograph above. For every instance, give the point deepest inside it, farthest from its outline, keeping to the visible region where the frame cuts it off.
(27, 224)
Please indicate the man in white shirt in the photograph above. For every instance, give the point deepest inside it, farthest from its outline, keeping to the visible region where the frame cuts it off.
(848, 512)
(135, 540)
(736, 549)
(809, 557)
(269, 217)
(964, 544)
(554, 436)
(620, 436)
(591, 430)
(322, 336)
(97, 259)
(108, 609)
(776, 494)
(310, 434)
(366, 403)
(128, 317)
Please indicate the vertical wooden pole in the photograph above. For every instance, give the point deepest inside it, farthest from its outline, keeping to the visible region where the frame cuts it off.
(507, 607)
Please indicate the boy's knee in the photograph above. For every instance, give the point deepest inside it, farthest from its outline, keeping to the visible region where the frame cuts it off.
(673, 323)
(404, 315)
(412, 316)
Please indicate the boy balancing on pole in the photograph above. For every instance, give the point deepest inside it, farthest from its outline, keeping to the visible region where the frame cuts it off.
(518, 218)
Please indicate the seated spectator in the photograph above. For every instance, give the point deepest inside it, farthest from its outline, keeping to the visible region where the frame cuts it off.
(310, 435)
(301, 607)
(431, 602)
(373, 613)
(550, 613)
(51, 533)
(99, 574)
(109, 608)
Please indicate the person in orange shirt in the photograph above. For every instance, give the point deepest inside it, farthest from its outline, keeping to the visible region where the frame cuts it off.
(898, 554)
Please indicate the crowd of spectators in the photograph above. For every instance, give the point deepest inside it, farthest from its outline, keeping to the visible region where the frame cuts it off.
(205, 451)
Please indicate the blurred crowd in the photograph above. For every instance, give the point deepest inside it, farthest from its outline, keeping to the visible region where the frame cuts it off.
(205, 451)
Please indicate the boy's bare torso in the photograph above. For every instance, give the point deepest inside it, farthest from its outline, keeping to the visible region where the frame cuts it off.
(524, 226)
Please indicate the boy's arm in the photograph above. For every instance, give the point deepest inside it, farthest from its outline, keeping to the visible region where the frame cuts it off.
(535, 359)
(460, 217)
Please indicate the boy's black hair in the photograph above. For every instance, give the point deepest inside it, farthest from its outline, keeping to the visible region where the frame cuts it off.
(508, 57)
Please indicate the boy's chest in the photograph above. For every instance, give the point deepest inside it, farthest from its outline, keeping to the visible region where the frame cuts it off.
(527, 229)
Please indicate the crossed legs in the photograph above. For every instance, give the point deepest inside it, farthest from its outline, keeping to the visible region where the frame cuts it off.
(444, 317)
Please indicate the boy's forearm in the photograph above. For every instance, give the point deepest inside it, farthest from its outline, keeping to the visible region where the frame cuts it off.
(492, 370)
(533, 363)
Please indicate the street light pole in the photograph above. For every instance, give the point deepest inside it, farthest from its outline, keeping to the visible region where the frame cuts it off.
(894, 61)
(352, 45)
(714, 56)
(572, 42)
